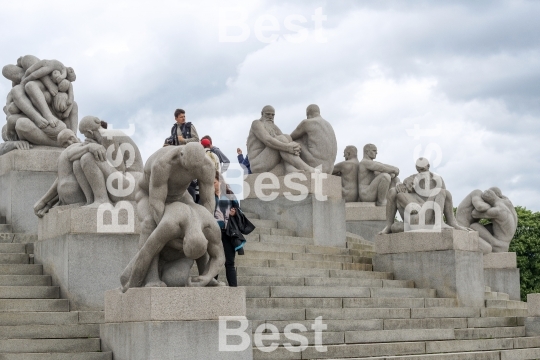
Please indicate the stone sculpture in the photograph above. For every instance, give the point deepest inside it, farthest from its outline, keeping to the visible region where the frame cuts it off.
(493, 205)
(317, 140)
(85, 169)
(41, 103)
(8, 145)
(187, 232)
(167, 175)
(348, 170)
(311, 144)
(426, 192)
(375, 178)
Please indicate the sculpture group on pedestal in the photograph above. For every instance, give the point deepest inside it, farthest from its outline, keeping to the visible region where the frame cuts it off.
(366, 180)
(311, 147)
(41, 103)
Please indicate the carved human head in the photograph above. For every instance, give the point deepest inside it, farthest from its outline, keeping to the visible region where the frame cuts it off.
(57, 76)
(89, 127)
(191, 155)
(313, 111)
(66, 138)
(497, 191)
(63, 86)
(490, 197)
(350, 152)
(71, 74)
(370, 151)
(422, 165)
(268, 112)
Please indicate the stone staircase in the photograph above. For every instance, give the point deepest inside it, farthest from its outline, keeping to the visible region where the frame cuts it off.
(369, 315)
(35, 324)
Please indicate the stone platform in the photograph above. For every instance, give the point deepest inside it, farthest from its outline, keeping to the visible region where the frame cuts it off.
(448, 261)
(365, 219)
(172, 323)
(501, 273)
(310, 206)
(25, 176)
(84, 260)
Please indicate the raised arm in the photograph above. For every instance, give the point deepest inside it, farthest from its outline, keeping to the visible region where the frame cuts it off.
(380, 167)
(479, 204)
(338, 168)
(492, 213)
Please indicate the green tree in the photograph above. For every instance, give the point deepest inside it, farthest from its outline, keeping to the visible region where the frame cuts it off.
(526, 244)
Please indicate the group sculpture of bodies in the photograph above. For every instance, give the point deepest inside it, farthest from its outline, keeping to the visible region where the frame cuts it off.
(175, 231)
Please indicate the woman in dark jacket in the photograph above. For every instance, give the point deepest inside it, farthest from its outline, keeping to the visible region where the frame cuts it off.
(226, 206)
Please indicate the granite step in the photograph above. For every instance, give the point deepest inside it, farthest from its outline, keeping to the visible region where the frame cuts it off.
(25, 280)
(58, 356)
(385, 336)
(495, 312)
(454, 323)
(293, 264)
(29, 292)
(299, 248)
(49, 345)
(49, 331)
(490, 333)
(311, 272)
(22, 238)
(21, 269)
(332, 325)
(392, 312)
(14, 258)
(273, 231)
(485, 349)
(506, 304)
(6, 248)
(315, 281)
(38, 305)
(280, 239)
(281, 255)
(337, 291)
(38, 318)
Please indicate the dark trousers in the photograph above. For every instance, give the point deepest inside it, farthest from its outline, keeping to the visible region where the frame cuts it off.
(230, 270)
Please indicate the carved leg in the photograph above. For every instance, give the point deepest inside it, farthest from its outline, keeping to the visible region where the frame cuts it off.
(96, 179)
(391, 210)
(27, 130)
(83, 182)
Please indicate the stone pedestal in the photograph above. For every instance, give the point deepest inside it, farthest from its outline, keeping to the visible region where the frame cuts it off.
(312, 207)
(502, 275)
(365, 219)
(172, 323)
(83, 260)
(448, 261)
(532, 322)
(25, 176)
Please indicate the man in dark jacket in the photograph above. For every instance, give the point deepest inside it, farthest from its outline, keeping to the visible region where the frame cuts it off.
(182, 132)
(223, 160)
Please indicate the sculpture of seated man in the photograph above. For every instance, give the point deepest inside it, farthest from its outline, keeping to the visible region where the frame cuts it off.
(493, 205)
(425, 191)
(272, 151)
(186, 233)
(127, 170)
(167, 174)
(348, 170)
(10, 145)
(317, 140)
(66, 189)
(375, 178)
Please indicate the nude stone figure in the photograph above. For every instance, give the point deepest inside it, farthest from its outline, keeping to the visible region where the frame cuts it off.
(10, 145)
(348, 170)
(490, 204)
(167, 175)
(415, 190)
(66, 189)
(317, 140)
(37, 103)
(272, 151)
(375, 178)
(125, 165)
(186, 233)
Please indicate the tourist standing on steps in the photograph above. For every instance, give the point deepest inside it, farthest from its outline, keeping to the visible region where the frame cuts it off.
(223, 160)
(226, 206)
(182, 133)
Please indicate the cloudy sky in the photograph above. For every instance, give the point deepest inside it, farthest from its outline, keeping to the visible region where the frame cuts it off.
(458, 82)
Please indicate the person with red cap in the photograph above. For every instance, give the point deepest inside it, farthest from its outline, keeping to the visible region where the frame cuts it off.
(207, 144)
(223, 160)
